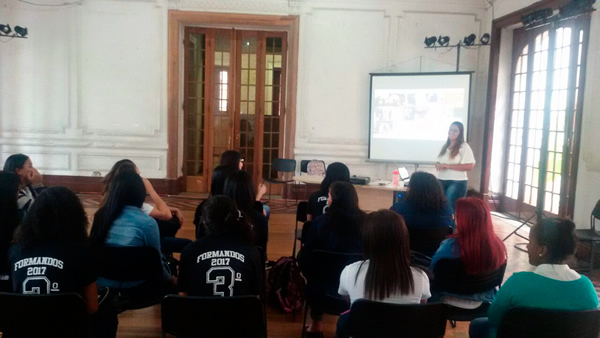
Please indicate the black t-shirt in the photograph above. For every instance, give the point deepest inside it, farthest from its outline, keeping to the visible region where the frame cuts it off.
(220, 265)
(45, 269)
(317, 204)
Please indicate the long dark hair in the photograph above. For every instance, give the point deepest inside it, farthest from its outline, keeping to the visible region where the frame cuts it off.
(426, 192)
(126, 189)
(231, 158)
(240, 188)
(459, 140)
(118, 167)
(558, 235)
(335, 172)
(386, 245)
(9, 212)
(57, 216)
(343, 216)
(217, 182)
(220, 215)
(14, 162)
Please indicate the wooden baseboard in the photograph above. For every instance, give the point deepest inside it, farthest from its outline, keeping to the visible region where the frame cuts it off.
(87, 184)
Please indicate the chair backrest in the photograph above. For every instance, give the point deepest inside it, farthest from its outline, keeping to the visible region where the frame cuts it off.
(329, 266)
(595, 215)
(451, 276)
(377, 319)
(302, 212)
(316, 168)
(53, 315)
(240, 316)
(284, 165)
(123, 263)
(304, 166)
(527, 322)
(427, 240)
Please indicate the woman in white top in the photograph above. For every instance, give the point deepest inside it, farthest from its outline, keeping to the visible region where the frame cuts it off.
(453, 162)
(386, 274)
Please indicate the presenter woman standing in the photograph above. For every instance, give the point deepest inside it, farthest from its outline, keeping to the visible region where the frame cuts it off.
(453, 162)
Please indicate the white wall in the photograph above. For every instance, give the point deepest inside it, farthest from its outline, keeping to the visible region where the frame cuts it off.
(87, 88)
(89, 85)
(588, 177)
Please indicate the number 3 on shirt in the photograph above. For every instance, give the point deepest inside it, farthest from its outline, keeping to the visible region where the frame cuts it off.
(39, 285)
(222, 276)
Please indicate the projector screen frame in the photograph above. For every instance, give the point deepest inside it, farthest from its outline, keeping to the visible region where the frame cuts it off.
(371, 75)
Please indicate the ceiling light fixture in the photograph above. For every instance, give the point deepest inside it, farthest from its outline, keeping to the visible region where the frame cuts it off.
(485, 39)
(469, 40)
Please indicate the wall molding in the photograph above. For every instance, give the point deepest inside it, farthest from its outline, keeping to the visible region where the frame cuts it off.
(89, 184)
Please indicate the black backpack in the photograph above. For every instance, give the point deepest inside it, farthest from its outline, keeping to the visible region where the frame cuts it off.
(286, 285)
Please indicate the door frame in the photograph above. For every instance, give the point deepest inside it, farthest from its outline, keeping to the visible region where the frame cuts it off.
(180, 19)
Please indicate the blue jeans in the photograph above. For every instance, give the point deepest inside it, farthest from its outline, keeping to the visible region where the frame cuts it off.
(480, 328)
(267, 210)
(342, 325)
(454, 190)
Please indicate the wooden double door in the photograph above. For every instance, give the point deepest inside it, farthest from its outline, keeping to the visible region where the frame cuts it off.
(234, 94)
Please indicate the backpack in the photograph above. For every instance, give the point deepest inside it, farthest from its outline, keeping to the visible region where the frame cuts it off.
(286, 285)
(316, 167)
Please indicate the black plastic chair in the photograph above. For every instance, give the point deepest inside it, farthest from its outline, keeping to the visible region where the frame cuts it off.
(301, 216)
(450, 276)
(127, 264)
(53, 315)
(532, 323)
(282, 165)
(240, 316)
(378, 320)
(324, 280)
(427, 240)
(591, 235)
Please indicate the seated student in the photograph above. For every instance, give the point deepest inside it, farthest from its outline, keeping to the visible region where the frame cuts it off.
(224, 263)
(31, 180)
(317, 203)
(552, 285)
(51, 253)
(121, 222)
(217, 184)
(478, 247)
(338, 230)
(169, 219)
(9, 220)
(240, 188)
(386, 274)
(233, 159)
(425, 204)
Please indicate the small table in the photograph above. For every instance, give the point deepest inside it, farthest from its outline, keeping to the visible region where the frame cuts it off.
(371, 197)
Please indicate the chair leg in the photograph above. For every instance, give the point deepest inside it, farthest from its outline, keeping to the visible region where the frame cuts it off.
(592, 259)
(305, 315)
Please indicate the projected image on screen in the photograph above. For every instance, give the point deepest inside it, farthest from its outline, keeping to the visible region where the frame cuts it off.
(411, 113)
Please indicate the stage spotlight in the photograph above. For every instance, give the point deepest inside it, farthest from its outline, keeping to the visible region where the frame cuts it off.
(443, 41)
(469, 40)
(485, 39)
(21, 31)
(430, 41)
(5, 29)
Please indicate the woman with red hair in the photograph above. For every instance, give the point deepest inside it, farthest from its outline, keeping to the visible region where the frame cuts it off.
(478, 247)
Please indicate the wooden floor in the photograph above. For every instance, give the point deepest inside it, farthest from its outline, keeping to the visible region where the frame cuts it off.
(146, 322)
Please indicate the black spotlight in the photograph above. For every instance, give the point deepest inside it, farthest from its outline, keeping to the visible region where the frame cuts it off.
(485, 39)
(21, 31)
(443, 41)
(430, 41)
(5, 29)
(469, 40)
